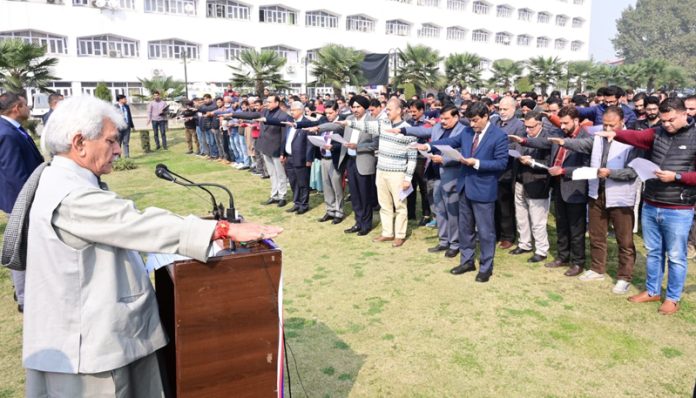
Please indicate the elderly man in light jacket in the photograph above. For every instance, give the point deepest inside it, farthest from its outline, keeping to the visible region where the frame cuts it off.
(91, 324)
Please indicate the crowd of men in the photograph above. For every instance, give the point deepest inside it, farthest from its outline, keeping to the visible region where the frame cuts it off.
(518, 153)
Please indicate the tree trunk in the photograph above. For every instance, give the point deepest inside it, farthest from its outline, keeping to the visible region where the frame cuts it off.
(337, 91)
(259, 88)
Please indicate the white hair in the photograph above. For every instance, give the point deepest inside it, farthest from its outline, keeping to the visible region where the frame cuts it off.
(296, 105)
(83, 114)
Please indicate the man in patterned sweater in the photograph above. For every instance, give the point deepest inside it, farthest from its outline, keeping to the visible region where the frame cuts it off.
(396, 162)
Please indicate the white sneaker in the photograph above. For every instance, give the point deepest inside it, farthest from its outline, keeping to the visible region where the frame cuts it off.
(621, 287)
(590, 275)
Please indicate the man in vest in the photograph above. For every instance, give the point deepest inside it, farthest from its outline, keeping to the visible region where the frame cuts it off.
(612, 197)
(669, 199)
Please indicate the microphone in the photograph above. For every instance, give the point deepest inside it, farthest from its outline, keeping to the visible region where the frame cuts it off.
(163, 172)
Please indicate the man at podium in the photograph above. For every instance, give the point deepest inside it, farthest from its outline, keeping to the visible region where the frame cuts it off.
(91, 323)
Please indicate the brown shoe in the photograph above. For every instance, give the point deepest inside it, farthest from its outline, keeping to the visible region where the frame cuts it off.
(506, 244)
(383, 239)
(556, 264)
(575, 270)
(398, 242)
(643, 297)
(669, 307)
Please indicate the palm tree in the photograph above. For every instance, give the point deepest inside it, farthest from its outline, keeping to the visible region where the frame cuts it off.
(632, 75)
(259, 70)
(337, 66)
(579, 73)
(545, 72)
(653, 70)
(672, 78)
(167, 86)
(24, 65)
(419, 66)
(463, 70)
(505, 72)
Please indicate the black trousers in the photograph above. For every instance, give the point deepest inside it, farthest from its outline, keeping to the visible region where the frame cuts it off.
(419, 184)
(505, 211)
(571, 224)
(299, 183)
(363, 194)
(226, 146)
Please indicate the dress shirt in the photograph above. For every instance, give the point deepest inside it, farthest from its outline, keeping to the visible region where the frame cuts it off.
(480, 139)
(291, 135)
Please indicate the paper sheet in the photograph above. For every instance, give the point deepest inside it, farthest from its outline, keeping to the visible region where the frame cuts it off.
(338, 138)
(585, 173)
(403, 194)
(450, 152)
(316, 140)
(514, 153)
(644, 168)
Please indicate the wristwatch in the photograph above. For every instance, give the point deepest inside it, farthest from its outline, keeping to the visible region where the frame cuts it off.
(677, 177)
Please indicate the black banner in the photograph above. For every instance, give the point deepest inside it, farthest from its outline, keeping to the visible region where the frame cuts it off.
(375, 69)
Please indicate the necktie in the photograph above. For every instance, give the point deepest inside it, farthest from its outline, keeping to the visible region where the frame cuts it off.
(475, 144)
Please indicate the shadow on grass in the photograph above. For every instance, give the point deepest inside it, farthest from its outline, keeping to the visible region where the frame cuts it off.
(320, 363)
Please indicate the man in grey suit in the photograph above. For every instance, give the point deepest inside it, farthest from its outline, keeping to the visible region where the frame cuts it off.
(91, 324)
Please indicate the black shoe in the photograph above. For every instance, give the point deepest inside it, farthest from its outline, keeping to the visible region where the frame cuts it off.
(536, 258)
(438, 248)
(451, 253)
(352, 229)
(483, 277)
(363, 232)
(424, 221)
(519, 250)
(348, 198)
(265, 177)
(326, 217)
(270, 201)
(462, 269)
(303, 211)
(282, 202)
(293, 209)
(20, 308)
(337, 220)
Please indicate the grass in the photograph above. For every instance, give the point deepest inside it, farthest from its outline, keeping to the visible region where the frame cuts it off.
(366, 320)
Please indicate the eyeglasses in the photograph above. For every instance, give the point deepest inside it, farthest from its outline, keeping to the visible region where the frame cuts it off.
(531, 127)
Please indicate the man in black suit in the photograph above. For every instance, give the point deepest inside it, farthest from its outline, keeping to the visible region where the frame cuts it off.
(53, 101)
(19, 156)
(570, 196)
(124, 135)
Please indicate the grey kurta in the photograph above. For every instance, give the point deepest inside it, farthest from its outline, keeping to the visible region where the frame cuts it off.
(90, 305)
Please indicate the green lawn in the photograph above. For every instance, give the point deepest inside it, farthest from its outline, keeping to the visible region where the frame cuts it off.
(366, 320)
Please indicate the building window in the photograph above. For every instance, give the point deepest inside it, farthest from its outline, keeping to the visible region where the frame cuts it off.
(109, 4)
(481, 8)
(503, 11)
(403, 1)
(54, 44)
(578, 2)
(360, 23)
(456, 5)
(479, 35)
(229, 51)
(561, 20)
(130, 90)
(398, 28)
(107, 46)
(525, 14)
(312, 55)
(277, 14)
(542, 42)
(560, 44)
(543, 17)
(503, 38)
(429, 3)
(575, 45)
(429, 30)
(172, 49)
(577, 22)
(290, 54)
(227, 9)
(321, 19)
(484, 64)
(456, 33)
(524, 40)
(177, 7)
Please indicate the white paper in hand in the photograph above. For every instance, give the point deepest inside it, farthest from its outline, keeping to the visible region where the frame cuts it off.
(403, 194)
(450, 152)
(514, 153)
(644, 168)
(585, 173)
(316, 141)
(338, 138)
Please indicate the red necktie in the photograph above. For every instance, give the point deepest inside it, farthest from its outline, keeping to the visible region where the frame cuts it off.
(475, 143)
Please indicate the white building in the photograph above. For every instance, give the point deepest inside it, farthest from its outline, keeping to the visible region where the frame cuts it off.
(117, 41)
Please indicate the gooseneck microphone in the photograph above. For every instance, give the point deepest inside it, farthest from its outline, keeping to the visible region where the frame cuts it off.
(163, 172)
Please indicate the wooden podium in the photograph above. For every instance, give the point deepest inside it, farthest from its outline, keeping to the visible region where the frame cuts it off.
(223, 321)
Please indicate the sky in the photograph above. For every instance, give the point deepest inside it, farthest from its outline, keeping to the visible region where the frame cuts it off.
(603, 27)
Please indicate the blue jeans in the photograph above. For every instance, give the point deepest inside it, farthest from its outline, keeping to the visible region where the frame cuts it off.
(665, 233)
(238, 146)
(161, 126)
(212, 145)
(202, 141)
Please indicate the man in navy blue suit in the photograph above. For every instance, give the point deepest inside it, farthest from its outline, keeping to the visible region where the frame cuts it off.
(124, 135)
(19, 156)
(484, 151)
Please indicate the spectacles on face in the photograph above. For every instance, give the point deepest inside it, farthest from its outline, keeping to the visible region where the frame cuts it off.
(531, 127)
